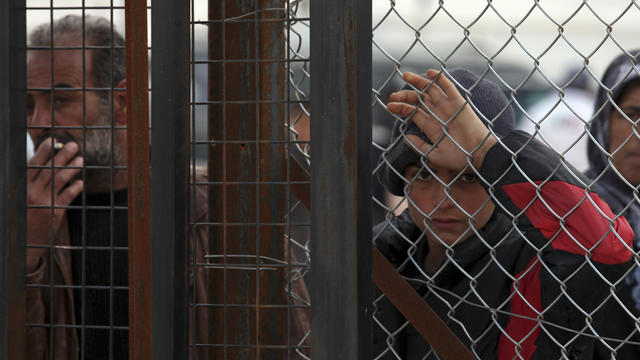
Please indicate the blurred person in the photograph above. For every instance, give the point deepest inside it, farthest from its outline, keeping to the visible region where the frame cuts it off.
(76, 116)
(563, 118)
(614, 159)
(489, 237)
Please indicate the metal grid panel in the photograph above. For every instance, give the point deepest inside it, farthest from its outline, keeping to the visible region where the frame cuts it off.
(251, 235)
(77, 254)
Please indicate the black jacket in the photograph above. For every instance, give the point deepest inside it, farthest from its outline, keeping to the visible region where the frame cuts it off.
(514, 291)
(619, 195)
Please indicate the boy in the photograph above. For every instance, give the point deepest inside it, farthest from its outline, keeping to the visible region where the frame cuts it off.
(500, 238)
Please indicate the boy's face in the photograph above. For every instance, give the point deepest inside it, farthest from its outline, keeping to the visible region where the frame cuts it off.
(623, 143)
(442, 216)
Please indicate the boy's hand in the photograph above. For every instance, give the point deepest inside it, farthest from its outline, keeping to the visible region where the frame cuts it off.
(455, 127)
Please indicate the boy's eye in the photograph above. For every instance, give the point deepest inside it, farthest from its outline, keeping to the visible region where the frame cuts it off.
(469, 178)
(423, 175)
(632, 116)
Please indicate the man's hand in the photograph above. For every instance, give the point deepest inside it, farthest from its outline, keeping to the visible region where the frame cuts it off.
(47, 187)
(456, 125)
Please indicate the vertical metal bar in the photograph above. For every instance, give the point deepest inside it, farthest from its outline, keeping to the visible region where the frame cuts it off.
(140, 334)
(272, 325)
(217, 129)
(341, 179)
(13, 115)
(170, 129)
(249, 90)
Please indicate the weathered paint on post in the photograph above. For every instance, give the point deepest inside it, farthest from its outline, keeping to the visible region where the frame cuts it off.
(140, 328)
(341, 179)
(13, 115)
(243, 152)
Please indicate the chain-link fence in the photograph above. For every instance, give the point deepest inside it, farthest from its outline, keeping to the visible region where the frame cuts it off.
(498, 189)
(501, 235)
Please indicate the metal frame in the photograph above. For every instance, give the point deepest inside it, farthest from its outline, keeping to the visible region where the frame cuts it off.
(341, 179)
(248, 56)
(138, 169)
(169, 178)
(13, 114)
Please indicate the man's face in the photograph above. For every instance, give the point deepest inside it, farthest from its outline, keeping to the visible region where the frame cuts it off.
(623, 142)
(66, 109)
(430, 207)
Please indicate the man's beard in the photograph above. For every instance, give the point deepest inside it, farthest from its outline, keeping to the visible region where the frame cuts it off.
(100, 149)
(97, 149)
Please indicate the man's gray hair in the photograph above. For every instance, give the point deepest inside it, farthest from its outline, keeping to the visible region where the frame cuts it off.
(98, 32)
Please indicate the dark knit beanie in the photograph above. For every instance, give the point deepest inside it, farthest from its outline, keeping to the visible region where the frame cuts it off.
(484, 97)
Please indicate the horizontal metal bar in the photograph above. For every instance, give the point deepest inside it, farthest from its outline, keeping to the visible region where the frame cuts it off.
(250, 305)
(243, 20)
(67, 247)
(83, 127)
(252, 183)
(73, 47)
(88, 287)
(256, 101)
(249, 223)
(63, 89)
(249, 61)
(243, 346)
(84, 7)
(66, 326)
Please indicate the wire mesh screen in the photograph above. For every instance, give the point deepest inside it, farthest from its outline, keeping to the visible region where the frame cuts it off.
(252, 249)
(77, 279)
(518, 250)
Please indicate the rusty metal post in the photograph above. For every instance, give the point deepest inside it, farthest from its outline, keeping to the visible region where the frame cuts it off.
(13, 115)
(138, 180)
(246, 160)
(271, 326)
(341, 280)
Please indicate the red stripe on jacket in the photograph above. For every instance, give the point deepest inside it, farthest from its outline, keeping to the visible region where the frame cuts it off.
(526, 303)
(585, 222)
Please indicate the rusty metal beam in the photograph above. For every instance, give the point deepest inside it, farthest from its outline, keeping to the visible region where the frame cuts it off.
(13, 114)
(138, 161)
(407, 300)
(256, 121)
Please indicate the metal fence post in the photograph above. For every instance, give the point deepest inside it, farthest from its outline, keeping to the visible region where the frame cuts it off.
(13, 116)
(169, 176)
(341, 179)
(247, 160)
(140, 300)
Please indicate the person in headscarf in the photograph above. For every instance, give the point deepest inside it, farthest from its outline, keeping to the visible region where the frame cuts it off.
(614, 158)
